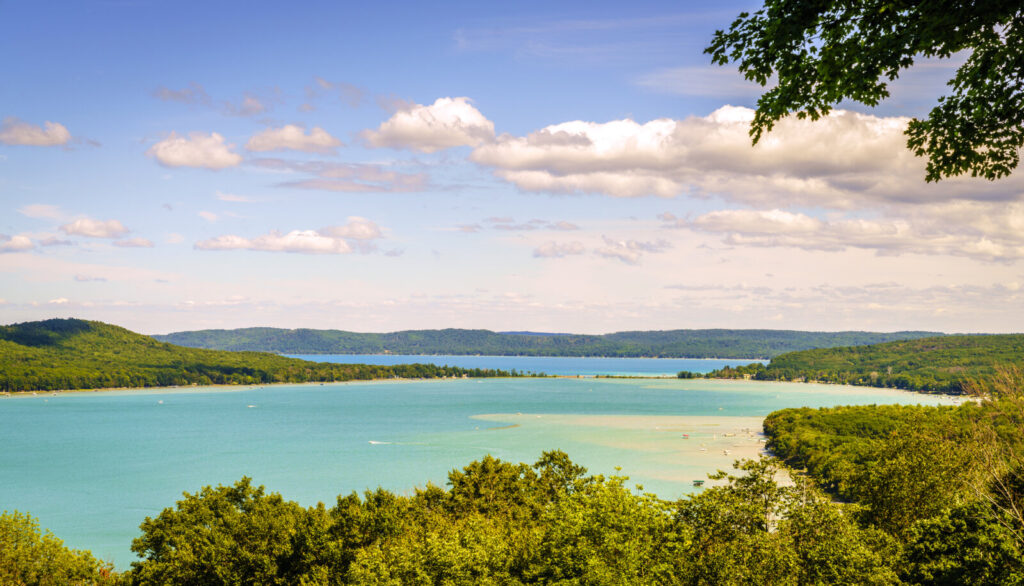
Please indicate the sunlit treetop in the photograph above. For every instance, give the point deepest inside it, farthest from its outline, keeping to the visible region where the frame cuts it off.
(823, 52)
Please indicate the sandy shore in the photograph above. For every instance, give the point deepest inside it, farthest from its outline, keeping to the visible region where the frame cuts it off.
(671, 448)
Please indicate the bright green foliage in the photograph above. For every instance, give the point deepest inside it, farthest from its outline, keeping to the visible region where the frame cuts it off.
(226, 535)
(29, 557)
(502, 523)
(77, 354)
(754, 531)
(943, 365)
(662, 344)
(822, 53)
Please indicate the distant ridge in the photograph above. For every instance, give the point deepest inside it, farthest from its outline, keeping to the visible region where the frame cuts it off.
(58, 354)
(711, 343)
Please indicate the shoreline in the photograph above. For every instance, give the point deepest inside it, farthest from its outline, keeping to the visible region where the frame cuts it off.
(956, 399)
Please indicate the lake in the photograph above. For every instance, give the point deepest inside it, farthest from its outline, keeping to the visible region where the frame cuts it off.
(552, 365)
(91, 466)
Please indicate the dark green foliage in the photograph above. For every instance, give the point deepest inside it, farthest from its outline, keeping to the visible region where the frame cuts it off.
(76, 354)
(821, 53)
(963, 545)
(661, 344)
(30, 557)
(937, 365)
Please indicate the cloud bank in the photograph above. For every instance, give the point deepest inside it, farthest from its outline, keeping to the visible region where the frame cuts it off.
(357, 235)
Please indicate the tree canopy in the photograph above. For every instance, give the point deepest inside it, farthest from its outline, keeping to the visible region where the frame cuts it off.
(826, 52)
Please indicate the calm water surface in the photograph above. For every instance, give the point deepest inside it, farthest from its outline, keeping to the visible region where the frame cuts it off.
(554, 365)
(92, 466)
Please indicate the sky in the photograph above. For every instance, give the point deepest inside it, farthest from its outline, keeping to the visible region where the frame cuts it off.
(546, 166)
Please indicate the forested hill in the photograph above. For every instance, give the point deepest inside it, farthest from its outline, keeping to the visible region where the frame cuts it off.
(77, 354)
(943, 364)
(663, 344)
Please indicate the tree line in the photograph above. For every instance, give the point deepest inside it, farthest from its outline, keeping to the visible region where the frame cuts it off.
(945, 364)
(716, 343)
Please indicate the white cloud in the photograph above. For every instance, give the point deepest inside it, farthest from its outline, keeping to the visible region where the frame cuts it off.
(59, 301)
(300, 241)
(630, 251)
(134, 243)
(198, 150)
(448, 122)
(967, 229)
(356, 235)
(18, 132)
(292, 137)
(95, 228)
(208, 216)
(356, 229)
(554, 249)
(15, 244)
(840, 161)
(41, 211)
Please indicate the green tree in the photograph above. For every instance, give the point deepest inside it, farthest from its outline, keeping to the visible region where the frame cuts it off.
(824, 52)
(30, 557)
(225, 535)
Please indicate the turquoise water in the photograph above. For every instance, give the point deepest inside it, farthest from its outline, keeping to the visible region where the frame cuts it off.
(553, 365)
(92, 466)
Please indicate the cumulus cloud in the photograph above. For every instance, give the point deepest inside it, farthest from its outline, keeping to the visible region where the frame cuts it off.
(840, 161)
(134, 243)
(630, 251)
(95, 228)
(346, 177)
(18, 132)
(993, 232)
(355, 236)
(15, 243)
(198, 150)
(292, 137)
(554, 249)
(448, 122)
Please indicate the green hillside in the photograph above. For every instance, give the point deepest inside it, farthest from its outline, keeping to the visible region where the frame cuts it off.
(77, 354)
(663, 344)
(941, 364)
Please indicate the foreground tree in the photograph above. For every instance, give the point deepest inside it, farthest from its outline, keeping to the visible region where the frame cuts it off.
(824, 52)
(32, 558)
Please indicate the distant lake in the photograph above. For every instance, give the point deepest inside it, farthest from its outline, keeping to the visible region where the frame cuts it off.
(556, 365)
(92, 466)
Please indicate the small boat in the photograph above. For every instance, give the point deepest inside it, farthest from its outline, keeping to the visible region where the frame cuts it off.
(698, 483)
(686, 436)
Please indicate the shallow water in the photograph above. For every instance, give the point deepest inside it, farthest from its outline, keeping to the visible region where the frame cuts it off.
(92, 466)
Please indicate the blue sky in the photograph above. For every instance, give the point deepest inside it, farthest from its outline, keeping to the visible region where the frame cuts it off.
(525, 166)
